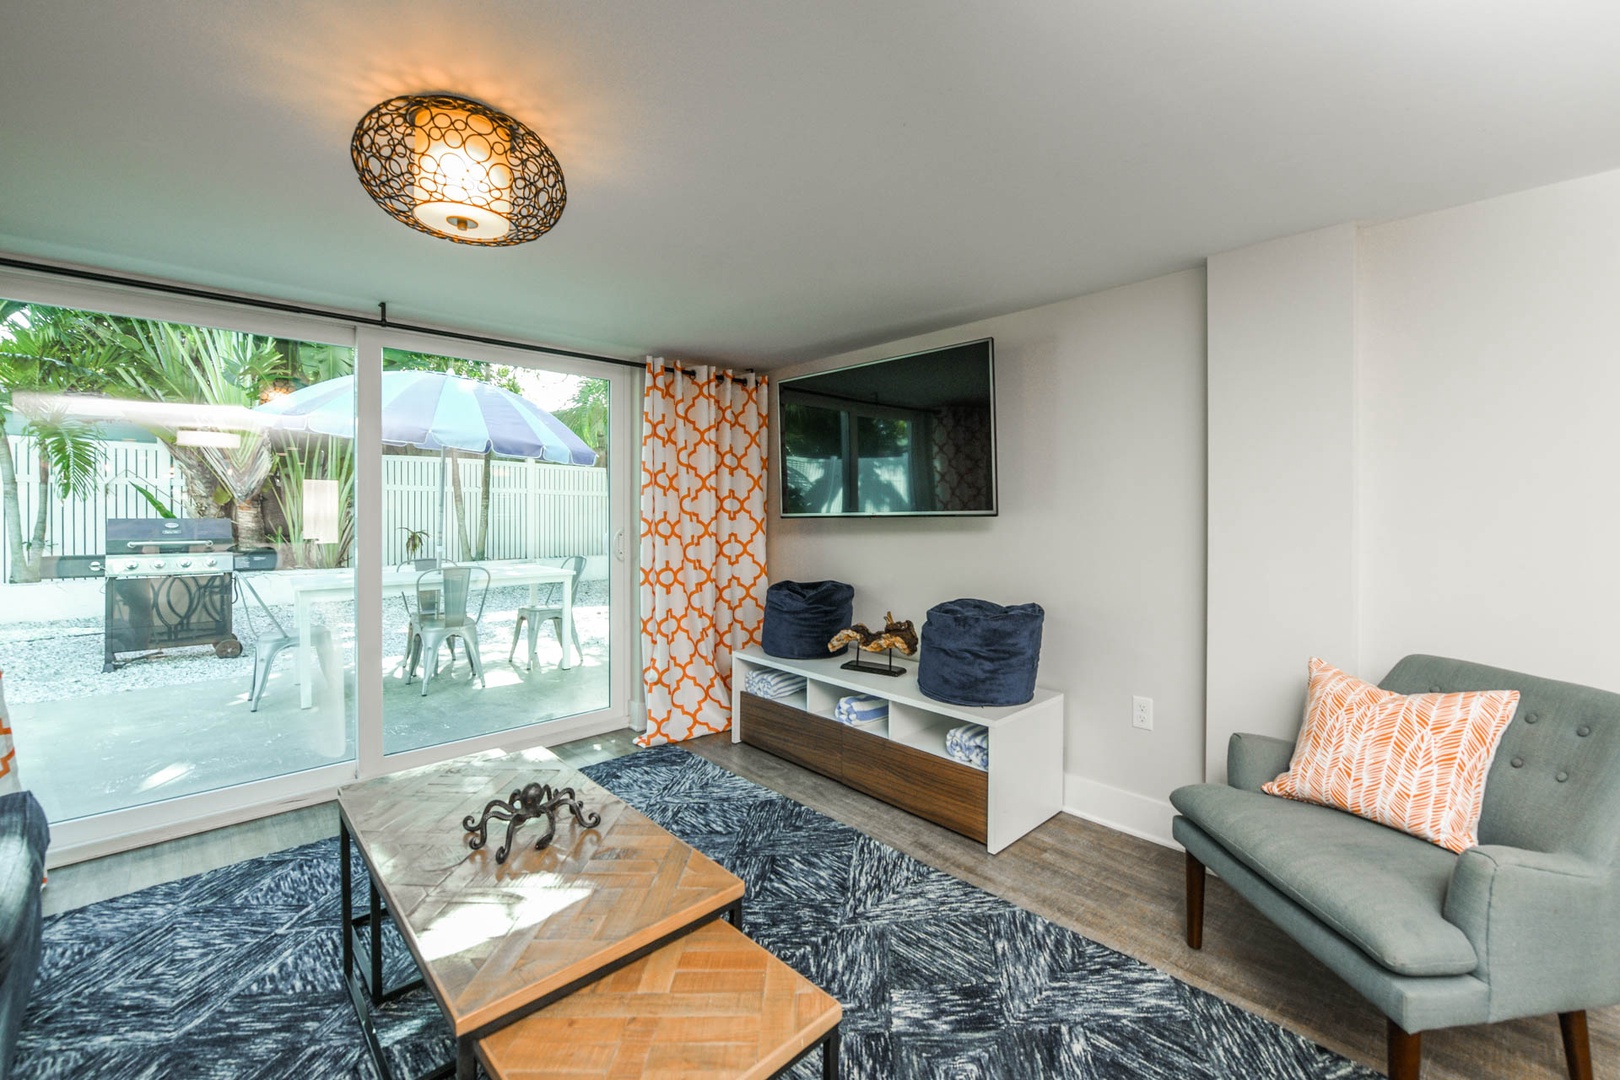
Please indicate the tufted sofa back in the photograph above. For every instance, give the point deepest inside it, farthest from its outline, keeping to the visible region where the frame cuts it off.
(1555, 783)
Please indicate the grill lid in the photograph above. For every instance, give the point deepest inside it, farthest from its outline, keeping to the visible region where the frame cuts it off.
(135, 534)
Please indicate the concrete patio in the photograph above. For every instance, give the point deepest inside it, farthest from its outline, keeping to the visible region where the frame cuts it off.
(183, 724)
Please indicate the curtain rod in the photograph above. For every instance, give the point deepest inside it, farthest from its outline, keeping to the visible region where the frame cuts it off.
(720, 372)
(380, 320)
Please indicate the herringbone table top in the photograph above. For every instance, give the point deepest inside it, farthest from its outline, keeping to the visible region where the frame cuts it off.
(492, 938)
(711, 1005)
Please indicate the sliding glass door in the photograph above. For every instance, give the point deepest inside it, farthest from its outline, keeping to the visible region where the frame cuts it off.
(247, 557)
(160, 526)
(497, 527)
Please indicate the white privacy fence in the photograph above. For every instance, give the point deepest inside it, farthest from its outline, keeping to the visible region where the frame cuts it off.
(536, 511)
(78, 526)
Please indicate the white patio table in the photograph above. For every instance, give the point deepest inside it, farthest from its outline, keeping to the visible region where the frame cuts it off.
(310, 586)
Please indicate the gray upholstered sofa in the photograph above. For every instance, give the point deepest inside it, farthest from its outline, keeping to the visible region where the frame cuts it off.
(1525, 924)
(23, 836)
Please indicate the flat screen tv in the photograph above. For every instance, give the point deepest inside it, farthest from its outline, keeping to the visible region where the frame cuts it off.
(913, 435)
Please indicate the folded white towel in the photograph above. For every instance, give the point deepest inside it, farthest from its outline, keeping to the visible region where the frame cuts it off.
(773, 684)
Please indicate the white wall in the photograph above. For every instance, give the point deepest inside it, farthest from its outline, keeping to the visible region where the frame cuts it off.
(1490, 421)
(1449, 488)
(1100, 431)
(1412, 445)
(1282, 479)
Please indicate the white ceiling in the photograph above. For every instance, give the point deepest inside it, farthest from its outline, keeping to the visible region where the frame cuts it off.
(764, 182)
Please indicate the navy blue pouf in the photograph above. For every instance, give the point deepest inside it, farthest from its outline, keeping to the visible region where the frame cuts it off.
(802, 616)
(978, 653)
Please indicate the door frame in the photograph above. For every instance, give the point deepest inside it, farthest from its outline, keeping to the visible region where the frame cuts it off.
(622, 503)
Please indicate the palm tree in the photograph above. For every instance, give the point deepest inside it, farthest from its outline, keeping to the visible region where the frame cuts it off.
(48, 350)
(171, 362)
(586, 414)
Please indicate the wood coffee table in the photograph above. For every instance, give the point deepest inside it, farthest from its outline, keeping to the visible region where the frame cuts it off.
(495, 943)
(711, 1005)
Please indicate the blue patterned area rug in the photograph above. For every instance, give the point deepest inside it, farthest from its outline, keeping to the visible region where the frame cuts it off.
(234, 973)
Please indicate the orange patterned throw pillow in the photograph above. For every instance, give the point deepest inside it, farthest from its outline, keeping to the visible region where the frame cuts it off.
(1414, 762)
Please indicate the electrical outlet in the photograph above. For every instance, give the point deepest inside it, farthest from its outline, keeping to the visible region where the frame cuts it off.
(1142, 713)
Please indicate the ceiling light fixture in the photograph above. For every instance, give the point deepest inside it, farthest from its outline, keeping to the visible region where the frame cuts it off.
(222, 440)
(458, 169)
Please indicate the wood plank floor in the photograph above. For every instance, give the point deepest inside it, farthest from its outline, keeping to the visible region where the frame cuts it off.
(1113, 888)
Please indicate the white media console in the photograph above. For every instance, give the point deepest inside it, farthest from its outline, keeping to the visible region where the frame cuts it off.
(903, 761)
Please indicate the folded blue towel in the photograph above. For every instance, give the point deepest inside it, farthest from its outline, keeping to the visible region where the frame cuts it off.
(768, 683)
(969, 744)
(969, 736)
(860, 709)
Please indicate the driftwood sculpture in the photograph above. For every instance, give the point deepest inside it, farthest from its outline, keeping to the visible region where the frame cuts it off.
(902, 636)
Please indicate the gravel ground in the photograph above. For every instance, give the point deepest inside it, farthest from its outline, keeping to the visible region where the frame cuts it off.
(61, 659)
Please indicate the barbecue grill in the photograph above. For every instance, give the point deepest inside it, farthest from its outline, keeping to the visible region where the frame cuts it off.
(169, 583)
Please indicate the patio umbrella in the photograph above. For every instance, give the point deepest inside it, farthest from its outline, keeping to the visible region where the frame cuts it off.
(433, 410)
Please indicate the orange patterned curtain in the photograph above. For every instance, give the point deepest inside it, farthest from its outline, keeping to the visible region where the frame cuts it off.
(8, 755)
(702, 543)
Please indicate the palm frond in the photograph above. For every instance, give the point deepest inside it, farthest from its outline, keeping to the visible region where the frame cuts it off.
(152, 499)
(199, 364)
(73, 450)
(327, 459)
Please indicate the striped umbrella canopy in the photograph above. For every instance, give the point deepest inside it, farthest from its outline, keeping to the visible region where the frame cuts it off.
(433, 410)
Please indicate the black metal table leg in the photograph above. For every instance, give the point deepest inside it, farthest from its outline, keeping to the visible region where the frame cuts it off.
(376, 943)
(828, 1044)
(734, 914)
(364, 994)
(346, 875)
(466, 1059)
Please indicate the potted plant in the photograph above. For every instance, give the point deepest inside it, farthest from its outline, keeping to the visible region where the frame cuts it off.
(414, 541)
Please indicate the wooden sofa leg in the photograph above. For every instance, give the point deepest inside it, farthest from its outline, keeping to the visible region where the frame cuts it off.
(1195, 902)
(1405, 1053)
(1577, 1047)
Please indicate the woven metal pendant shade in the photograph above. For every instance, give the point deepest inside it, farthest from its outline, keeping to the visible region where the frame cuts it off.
(458, 169)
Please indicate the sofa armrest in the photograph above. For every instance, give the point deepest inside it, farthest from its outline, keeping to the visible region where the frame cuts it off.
(1252, 760)
(1542, 925)
(23, 837)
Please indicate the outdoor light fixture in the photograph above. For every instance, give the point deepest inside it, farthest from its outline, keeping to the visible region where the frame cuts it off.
(455, 168)
(323, 511)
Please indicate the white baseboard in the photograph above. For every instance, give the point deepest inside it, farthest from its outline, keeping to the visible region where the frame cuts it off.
(1126, 811)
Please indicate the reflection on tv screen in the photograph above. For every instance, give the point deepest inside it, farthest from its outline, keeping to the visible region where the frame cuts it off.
(912, 435)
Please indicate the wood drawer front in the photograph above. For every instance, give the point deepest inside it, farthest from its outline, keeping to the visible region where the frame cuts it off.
(798, 736)
(945, 792)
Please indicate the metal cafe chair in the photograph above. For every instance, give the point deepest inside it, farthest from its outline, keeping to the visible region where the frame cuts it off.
(410, 616)
(442, 616)
(272, 643)
(550, 610)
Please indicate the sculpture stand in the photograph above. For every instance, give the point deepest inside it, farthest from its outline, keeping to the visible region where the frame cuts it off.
(858, 664)
(534, 801)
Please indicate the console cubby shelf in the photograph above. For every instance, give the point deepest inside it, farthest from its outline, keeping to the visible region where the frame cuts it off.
(903, 761)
